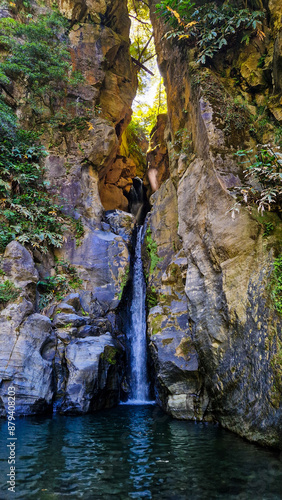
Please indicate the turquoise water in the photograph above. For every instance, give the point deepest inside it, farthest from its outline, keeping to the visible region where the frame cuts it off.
(136, 452)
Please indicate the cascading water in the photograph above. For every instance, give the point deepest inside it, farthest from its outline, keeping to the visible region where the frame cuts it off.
(137, 329)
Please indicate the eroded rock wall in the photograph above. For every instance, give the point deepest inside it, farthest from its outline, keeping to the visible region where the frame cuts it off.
(69, 355)
(214, 336)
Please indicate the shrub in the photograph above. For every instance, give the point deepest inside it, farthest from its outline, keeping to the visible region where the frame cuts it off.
(26, 211)
(56, 287)
(265, 169)
(8, 291)
(209, 27)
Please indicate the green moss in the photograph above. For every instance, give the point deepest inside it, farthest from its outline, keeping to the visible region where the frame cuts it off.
(124, 281)
(186, 346)
(276, 284)
(8, 291)
(151, 297)
(152, 249)
(167, 341)
(110, 354)
(156, 323)
(276, 365)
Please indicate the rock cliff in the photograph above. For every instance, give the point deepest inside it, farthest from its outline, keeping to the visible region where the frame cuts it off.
(59, 340)
(214, 337)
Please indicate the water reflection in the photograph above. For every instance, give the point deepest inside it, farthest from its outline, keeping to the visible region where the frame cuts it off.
(135, 453)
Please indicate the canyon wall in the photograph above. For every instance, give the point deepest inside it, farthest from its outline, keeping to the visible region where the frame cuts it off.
(60, 346)
(215, 338)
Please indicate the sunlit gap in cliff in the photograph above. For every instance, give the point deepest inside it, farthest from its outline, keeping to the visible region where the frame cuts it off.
(149, 102)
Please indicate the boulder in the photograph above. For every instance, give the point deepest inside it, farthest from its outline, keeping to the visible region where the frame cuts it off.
(101, 260)
(121, 223)
(23, 341)
(68, 320)
(73, 300)
(93, 380)
(18, 265)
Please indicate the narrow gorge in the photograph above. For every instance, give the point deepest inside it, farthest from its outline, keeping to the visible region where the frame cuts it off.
(104, 235)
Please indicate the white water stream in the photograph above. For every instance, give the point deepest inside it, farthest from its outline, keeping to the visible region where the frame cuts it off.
(137, 332)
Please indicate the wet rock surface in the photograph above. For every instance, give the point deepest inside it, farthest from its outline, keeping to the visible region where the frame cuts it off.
(230, 333)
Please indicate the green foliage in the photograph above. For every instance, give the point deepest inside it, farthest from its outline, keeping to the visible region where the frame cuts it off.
(268, 229)
(145, 114)
(209, 27)
(123, 283)
(109, 354)
(79, 231)
(36, 53)
(152, 249)
(276, 284)
(26, 210)
(56, 287)
(264, 170)
(8, 291)
(38, 56)
(151, 297)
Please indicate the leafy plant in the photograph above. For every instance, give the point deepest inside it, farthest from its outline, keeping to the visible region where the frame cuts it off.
(38, 55)
(264, 169)
(26, 210)
(268, 228)
(8, 291)
(152, 249)
(209, 27)
(123, 282)
(56, 287)
(151, 297)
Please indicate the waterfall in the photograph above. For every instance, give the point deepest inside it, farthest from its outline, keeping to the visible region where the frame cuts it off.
(137, 329)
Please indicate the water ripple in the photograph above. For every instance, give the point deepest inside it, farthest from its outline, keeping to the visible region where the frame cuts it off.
(136, 452)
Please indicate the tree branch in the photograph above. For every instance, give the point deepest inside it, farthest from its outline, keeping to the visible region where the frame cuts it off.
(138, 63)
(145, 47)
(139, 20)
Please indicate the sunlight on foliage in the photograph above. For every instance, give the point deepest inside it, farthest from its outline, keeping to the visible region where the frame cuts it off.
(151, 97)
(264, 172)
(146, 114)
(38, 56)
(209, 27)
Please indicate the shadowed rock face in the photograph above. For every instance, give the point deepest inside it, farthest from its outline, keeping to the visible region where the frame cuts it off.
(71, 361)
(216, 303)
(68, 357)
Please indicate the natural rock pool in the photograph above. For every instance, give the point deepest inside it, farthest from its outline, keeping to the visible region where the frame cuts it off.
(136, 452)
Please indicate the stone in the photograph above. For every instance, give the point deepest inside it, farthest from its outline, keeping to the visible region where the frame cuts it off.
(73, 300)
(250, 71)
(65, 308)
(91, 305)
(233, 331)
(88, 331)
(86, 383)
(157, 156)
(18, 265)
(101, 260)
(112, 197)
(121, 223)
(23, 341)
(68, 319)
